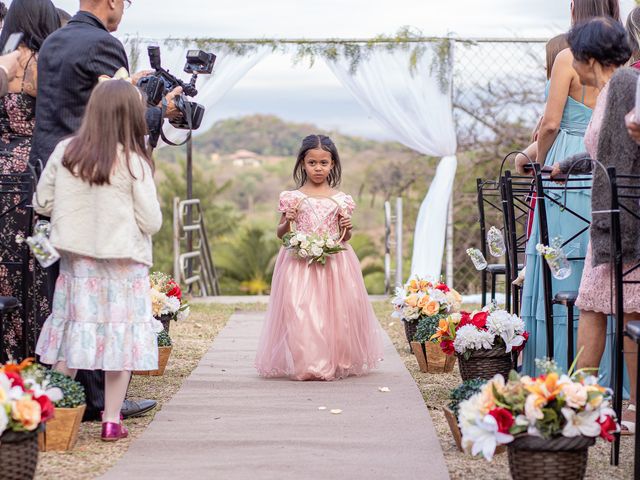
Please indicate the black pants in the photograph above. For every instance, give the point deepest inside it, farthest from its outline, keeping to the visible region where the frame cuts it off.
(93, 383)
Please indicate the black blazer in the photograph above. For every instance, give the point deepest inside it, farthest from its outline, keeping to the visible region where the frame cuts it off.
(69, 64)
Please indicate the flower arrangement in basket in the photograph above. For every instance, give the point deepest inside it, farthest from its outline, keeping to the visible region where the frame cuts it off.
(421, 304)
(25, 405)
(458, 395)
(61, 432)
(314, 247)
(538, 419)
(166, 299)
(483, 341)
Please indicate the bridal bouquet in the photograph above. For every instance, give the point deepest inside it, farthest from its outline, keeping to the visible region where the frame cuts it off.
(166, 297)
(548, 406)
(314, 248)
(25, 403)
(465, 332)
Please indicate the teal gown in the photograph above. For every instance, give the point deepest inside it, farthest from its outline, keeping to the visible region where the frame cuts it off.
(570, 140)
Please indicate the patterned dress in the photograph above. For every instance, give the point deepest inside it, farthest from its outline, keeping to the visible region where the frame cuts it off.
(32, 287)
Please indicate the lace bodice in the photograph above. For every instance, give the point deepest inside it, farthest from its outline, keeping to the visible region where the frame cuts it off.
(317, 214)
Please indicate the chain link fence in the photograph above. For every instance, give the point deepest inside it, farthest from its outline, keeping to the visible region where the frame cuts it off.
(498, 98)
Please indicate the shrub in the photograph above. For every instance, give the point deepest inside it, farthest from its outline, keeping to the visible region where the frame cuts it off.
(464, 392)
(72, 391)
(164, 340)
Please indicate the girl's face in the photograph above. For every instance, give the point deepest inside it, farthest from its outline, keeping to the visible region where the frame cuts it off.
(318, 164)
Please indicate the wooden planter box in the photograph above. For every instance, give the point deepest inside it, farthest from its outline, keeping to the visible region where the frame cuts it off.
(453, 426)
(163, 359)
(61, 432)
(432, 359)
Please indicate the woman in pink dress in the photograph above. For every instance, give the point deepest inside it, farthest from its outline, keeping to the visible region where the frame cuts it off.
(320, 324)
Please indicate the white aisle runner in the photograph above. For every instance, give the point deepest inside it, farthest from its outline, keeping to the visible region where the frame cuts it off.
(227, 423)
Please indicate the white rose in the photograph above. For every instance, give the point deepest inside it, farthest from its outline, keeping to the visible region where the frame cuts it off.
(303, 253)
(293, 241)
(330, 243)
(301, 237)
(316, 251)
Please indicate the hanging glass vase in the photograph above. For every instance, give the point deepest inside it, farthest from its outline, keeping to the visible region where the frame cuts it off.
(39, 244)
(495, 242)
(477, 258)
(556, 258)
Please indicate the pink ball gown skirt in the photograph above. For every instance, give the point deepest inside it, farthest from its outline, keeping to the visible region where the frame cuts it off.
(319, 324)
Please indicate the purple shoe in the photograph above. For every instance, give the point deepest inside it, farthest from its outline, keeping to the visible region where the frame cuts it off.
(112, 432)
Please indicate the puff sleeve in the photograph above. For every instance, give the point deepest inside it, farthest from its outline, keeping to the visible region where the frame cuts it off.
(287, 200)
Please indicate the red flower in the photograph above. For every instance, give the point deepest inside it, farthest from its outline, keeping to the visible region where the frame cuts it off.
(46, 406)
(479, 320)
(520, 348)
(504, 418)
(447, 347)
(442, 287)
(15, 379)
(465, 319)
(607, 428)
(174, 290)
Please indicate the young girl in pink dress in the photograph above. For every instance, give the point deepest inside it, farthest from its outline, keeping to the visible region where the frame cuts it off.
(320, 324)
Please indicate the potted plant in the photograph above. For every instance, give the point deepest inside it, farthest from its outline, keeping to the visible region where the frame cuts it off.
(423, 301)
(484, 341)
(166, 300)
(548, 423)
(430, 357)
(25, 406)
(164, 351)
(459, 394)
(61, 432)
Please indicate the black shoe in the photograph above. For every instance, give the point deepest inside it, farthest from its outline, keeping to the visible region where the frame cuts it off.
(131, 408)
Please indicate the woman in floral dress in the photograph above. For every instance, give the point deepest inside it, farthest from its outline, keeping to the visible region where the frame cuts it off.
(36, 19)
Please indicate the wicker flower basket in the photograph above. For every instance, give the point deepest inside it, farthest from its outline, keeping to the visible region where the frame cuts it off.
(410, 328)
(61, 432)
(432, 359)
(485, 364)
(18, 455)
(561, 458)
(163, 359)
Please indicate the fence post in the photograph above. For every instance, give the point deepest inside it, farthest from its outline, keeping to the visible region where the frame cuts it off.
(399, 279)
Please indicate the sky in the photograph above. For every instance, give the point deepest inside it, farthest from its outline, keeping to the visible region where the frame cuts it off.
(313, 95)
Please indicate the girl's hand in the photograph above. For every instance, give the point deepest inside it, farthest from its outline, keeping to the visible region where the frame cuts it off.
(345, 222)
(291, 214)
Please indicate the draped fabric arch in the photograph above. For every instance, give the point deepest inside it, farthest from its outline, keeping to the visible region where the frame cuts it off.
(413, 104)
(416, 108)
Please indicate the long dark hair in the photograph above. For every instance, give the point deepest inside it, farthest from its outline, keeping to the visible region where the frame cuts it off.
(36, 19)
(633, 32)
(553, 48)
(311, 143)
(114, 119)
(584, 10)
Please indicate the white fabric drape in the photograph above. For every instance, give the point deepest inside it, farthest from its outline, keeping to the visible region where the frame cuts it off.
(228, 70)
(418, 112)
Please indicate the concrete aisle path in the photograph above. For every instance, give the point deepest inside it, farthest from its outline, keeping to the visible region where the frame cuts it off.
(226, 423)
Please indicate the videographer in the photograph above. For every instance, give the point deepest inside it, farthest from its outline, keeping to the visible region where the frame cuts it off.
(70, 64)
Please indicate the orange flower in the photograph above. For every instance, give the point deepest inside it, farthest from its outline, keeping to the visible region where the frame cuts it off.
(443, 329)
(423, 301)
(546, 388)
(412, 300)
(431, 308)
(414, 286)
(15, 367)
(27, 412)
(424, 285)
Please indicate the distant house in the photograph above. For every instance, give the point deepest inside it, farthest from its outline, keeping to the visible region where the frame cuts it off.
(245, 158)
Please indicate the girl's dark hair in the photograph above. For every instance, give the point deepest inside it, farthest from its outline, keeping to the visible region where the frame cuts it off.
(602, 39)
(311, 143)
(584, 10)
(64, 16)
(36, 19)
(114, 120)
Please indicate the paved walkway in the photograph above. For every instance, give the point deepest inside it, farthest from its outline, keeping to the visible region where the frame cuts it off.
(227, 423)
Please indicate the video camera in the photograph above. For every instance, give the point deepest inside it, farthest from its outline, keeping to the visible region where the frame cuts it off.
(161, 82)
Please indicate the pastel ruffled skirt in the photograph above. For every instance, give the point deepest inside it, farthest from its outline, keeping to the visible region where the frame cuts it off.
(320, 324)
(101, 317)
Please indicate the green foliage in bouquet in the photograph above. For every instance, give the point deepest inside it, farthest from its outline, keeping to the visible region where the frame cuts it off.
(427, 327)
(164, 340)
(464, 392)
(72, 391)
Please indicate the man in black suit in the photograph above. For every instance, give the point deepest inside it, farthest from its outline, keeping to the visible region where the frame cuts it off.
(69, 64)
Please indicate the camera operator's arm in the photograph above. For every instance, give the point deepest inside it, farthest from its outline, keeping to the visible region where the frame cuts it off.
(172, 112)
(155, 119)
